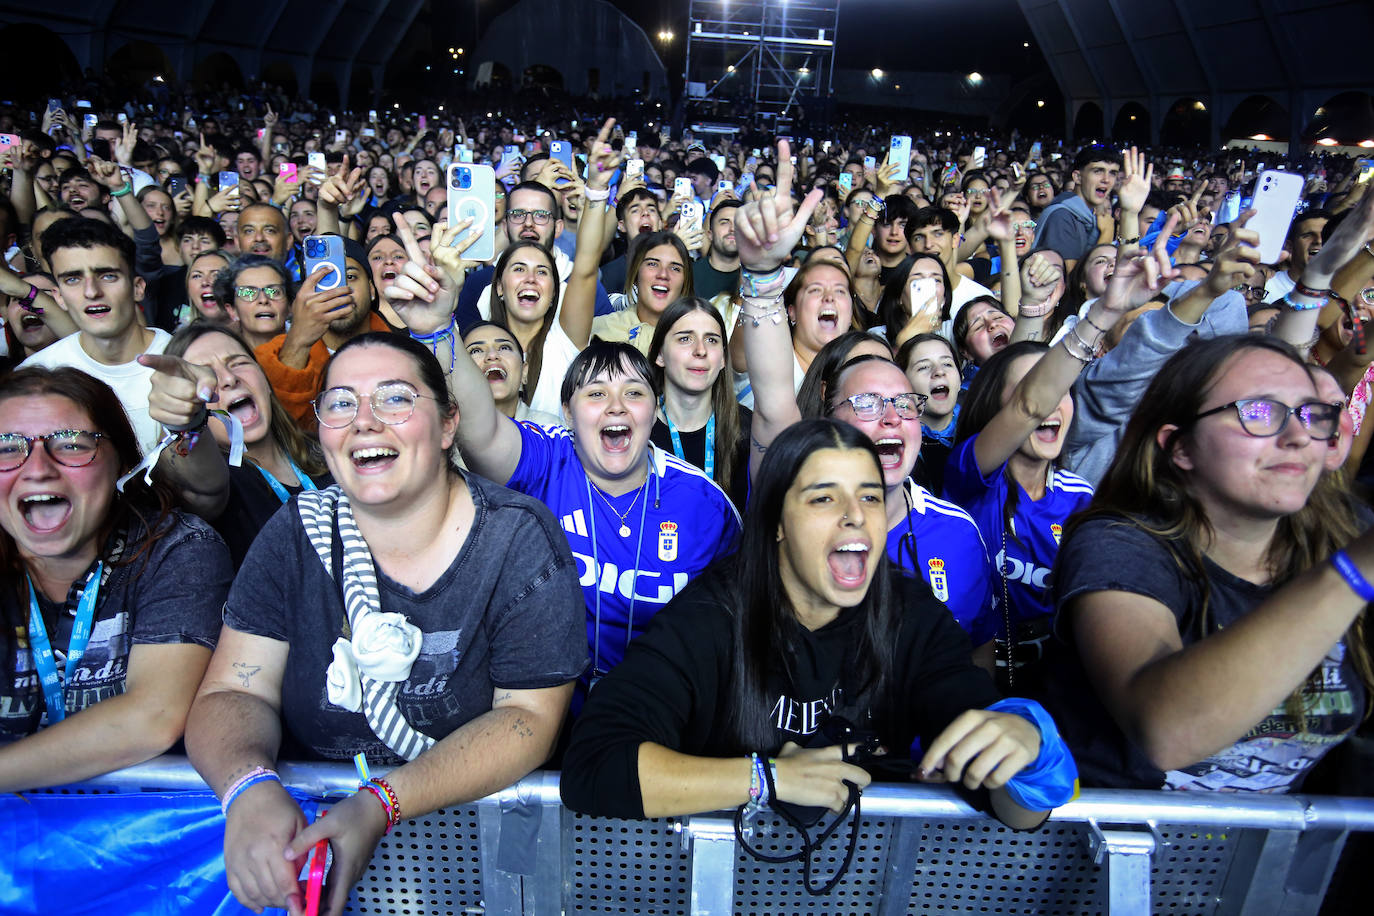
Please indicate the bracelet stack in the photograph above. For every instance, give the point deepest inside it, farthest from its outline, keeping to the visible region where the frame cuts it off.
(247, 781)
(382, 791)
(759, 796)
(1303, 298)
(757, 286)
(1085, 351)
(762, 308)
(432, 341)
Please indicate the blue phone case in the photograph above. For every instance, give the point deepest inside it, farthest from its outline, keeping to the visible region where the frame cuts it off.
(326, 249)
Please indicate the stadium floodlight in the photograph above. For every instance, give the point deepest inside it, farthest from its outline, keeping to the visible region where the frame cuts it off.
(877, 73)
(975, 77)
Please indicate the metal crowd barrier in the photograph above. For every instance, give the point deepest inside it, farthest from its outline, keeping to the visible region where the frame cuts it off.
(920, 850)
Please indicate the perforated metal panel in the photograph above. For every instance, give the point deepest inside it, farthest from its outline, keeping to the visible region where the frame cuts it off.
(761, 887)
(1189, 872)
(426, 866)
(615, 866)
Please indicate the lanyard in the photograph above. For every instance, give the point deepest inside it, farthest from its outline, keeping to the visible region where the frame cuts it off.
(43, 659)
(710, 463)
(305, 482)
(597, 671)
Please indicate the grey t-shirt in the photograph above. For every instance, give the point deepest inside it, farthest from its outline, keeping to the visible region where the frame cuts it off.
(1273, 756)
(171, 594)
(507, 613)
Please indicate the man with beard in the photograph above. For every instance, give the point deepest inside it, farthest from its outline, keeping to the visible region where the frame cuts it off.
(1069, 225)
(321, 322)
(262, 230)
(534, 214)
(718, 272)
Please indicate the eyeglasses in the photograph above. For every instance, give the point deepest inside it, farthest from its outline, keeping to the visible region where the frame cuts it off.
(872, 406)
(73, 448)
(1040, 186)
(1023, 224)
(1249, 290)
(273, 291)
(540, 217)
(1265, 417)
(975, 192)
(392, 403)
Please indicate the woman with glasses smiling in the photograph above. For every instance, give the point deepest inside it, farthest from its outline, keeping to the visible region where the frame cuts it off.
(1215, 625)
(110, 601)
(256, 290)
(412, 614)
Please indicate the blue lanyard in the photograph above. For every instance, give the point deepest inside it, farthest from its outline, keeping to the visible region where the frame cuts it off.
(710, 463)
(305, 482)
(41, 647)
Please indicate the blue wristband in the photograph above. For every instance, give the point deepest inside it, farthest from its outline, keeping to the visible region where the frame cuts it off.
(1352, 576)
(1051, 779)
(245, 785)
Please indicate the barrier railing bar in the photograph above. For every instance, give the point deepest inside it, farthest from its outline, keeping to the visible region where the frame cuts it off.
(1114, 806)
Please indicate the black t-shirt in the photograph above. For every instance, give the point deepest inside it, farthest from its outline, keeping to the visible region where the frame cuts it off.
(1273, 756)
(172, 594)
(507, 613)
(694, 452)
(674, 688)
(251, 503)
(709, 282)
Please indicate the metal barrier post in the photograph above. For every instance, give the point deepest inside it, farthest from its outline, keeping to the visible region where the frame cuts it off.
(1128, 854)
(709, 843)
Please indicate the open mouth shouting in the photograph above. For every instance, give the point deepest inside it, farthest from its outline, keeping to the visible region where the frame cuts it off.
(495, 374)
(373, 458)
(245, 410)
(29, 322)
(890, 452)
(45, 512)
(1048, 432)
(829, 319)
(97, 310)
(939, 392)
(848, 563)
(999, 340)
(616, 438)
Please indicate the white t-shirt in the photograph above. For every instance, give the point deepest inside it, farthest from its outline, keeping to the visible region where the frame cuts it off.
(130, 381)
(559, 352)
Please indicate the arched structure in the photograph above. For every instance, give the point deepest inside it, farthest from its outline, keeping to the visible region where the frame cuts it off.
(567, 34)
(1220, 53)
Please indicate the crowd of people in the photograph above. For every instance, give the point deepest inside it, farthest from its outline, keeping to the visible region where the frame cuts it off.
(1017, 459)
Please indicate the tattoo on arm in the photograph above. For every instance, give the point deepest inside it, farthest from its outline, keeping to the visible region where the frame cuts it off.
(521, 729)
(245, 672)
(758, 446)
(504, 697)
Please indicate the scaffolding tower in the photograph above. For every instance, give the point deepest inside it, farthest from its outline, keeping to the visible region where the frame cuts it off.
(772, 55)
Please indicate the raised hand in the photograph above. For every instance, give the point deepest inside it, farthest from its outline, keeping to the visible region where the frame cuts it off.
(342, 189)
(1137, 175)
(1354, 232)
(105, 172)
(1041, 280)
(205, 157)
(422, 294)
(1235, 259)
(997, 217)
(179, 390)
(124, 146)
(767, 229)
(1140, 274)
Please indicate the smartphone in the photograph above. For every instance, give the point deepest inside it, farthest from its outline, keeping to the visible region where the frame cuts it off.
(690, 215)
(846, 183)
(9, 139)
(752, 162)
(562, 150)
(1276, 200)
(332, 121)
(316, 161)
(176, 184)
(372, 115)
(228, 180)
(719, 160)
(90, 121)
(900, 152)
(682, 187)
(1365, 167)
(1229, 211)
(472, 195)
(85, 103)
(288, 171)
(424, 123)
(922, 289)
(634, 168)
(509, 154)
(723, 185)
(54, 105)
(632, 140)
(327, 251)
(340, 136)
(948, 176)
(746, 181)
(462, 154)
(980, 154)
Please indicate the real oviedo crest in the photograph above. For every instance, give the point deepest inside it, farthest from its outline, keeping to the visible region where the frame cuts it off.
(1058, 532)
(939, 584)
(667, 541)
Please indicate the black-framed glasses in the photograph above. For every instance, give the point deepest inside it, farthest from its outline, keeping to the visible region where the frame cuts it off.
(1266, 417)
(272, 291)
(392, 403)
(1246, 290)
(73, 448)
(870, 405)
(540, 217)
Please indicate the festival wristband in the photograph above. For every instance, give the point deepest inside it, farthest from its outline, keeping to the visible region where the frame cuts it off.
(245, 782)
(27, 302)
(127, 189)
(1051, 779)
(1352, 575)
(754, 285)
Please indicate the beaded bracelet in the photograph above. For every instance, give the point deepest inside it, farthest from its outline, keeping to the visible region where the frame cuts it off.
(391, 802)
(247, 781)
(1301, 302)
(759, 309)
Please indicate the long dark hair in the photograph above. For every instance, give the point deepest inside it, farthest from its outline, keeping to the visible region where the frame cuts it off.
(534, 353)
(765, 627)
(959, 331)
(139, 506)
(812, 394)
(984, 401)
(893, 314)
(723, 404)
(281, 427)
(1146, 489)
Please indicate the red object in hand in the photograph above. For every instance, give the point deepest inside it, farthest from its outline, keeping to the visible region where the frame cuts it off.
(316, 879)
(1359, 328)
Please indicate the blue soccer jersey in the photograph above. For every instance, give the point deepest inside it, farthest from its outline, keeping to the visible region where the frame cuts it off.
(1025, 553)
(677, 524)
(941, 542)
